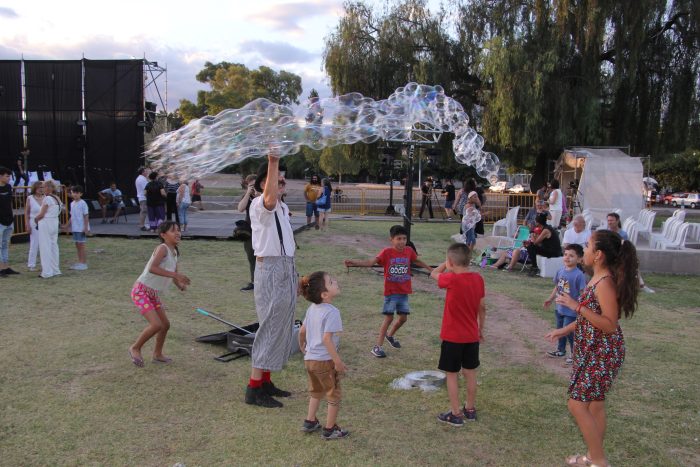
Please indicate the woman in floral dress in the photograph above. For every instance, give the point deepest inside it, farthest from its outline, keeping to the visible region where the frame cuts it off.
(599, 346)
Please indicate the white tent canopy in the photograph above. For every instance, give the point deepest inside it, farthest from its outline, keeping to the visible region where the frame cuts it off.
(608, 179)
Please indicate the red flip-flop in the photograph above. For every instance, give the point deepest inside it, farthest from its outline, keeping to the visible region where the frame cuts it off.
(136, 360)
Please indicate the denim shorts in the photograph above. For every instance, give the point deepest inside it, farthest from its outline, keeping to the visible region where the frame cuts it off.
(449, 203)
(470, 237)
(78, 237)
(396, 303)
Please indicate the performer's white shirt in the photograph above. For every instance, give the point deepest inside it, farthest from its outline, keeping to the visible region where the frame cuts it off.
(266, 240)
(141, 183)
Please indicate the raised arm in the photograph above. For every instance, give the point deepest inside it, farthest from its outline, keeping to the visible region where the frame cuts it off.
(243, 203)
(423, 265)
(271, 190)
(435, 273)
(361, 263)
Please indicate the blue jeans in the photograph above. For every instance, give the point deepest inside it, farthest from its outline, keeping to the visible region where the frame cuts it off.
(182, 211)
(5, 233)
(562, 322)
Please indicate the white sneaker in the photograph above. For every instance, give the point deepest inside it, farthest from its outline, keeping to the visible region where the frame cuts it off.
(81, 267)
(74, 267)
(647, 289)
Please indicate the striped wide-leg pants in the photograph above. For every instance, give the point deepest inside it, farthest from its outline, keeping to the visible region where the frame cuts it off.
(275, 303)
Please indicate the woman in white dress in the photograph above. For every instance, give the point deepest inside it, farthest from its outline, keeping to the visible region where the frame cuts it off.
(31, 210)
(47, 224)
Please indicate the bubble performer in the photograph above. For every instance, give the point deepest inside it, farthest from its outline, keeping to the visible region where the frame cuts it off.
(209, 144)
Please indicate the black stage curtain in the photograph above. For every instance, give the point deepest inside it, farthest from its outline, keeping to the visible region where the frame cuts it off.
(53, 108)
(114, 106)
(10, 111)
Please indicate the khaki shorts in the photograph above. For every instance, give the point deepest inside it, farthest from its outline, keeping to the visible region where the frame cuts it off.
(323, 380)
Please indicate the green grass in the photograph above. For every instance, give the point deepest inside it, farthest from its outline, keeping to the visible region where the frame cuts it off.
(70, 395)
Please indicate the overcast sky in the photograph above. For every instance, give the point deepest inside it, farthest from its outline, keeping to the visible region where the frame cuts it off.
(285, 35)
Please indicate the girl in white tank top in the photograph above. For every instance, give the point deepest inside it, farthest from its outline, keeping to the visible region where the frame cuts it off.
(156, 277)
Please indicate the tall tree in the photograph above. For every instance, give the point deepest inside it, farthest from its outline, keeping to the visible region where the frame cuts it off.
(233, 85)
(536, 75)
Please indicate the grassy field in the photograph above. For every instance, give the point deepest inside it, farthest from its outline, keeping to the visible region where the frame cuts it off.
(70, 395)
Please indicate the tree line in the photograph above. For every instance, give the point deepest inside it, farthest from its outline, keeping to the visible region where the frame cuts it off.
(535, 76)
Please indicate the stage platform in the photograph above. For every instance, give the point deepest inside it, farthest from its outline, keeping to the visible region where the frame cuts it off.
(207, 224)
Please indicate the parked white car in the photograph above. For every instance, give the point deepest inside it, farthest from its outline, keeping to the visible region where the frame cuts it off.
(692, 200)
(517, 189)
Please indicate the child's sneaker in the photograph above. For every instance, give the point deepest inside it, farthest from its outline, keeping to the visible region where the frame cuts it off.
(334, 433)
(451, 419)
(311, 426)
(569, 361)
(469, 414)
(556, 353)
(394, 342)
(378, 352)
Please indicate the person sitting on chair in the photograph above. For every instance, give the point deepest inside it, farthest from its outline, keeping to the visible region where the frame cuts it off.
(111, 198)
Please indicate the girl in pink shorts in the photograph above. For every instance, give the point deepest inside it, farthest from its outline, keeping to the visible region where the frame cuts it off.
(160, 271)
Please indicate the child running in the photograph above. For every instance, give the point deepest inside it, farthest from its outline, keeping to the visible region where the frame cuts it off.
(396, 261)
(79, 224)
(599, 346)
(568, 280)
(319, 337)
(462, 329)
(159, 272)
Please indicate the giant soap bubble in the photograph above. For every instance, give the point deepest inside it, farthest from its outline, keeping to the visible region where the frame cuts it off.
(209, 144)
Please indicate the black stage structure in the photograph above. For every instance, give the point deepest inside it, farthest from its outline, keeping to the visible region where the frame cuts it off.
(83, 120)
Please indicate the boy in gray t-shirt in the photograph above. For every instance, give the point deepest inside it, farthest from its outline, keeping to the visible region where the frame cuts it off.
(319, 338)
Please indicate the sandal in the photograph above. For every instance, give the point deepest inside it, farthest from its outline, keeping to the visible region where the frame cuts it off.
(162, 360)
(578, 460)
(136, 360)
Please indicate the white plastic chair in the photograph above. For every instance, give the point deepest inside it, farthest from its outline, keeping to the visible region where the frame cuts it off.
(668, 224)
(670, 235)
(679, 214)
(678, 241)
(507, 226)
(48, 175)
(33, 177)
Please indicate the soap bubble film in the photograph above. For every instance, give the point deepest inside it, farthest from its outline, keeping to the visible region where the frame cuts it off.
(211, 143)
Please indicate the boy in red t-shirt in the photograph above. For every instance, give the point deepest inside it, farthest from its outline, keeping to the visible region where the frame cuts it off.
(397, 262)
(462, 329)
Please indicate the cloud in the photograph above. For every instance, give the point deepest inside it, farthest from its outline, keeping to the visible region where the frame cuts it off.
(278, 52)
(8, 13)
(286, 16)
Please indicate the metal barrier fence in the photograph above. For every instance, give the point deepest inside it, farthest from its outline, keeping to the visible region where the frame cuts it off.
(19, 202)
(375, 200)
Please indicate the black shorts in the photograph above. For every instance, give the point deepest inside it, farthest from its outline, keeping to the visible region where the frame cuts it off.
(196, 198)
(454, 357)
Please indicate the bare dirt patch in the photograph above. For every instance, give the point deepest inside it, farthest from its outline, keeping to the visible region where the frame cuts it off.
(517, 334)
(364, 246)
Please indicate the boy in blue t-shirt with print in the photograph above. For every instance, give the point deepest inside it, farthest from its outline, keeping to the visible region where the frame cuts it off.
(396, 261)
(568, 280)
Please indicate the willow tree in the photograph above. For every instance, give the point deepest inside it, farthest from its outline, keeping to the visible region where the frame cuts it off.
(374, 51)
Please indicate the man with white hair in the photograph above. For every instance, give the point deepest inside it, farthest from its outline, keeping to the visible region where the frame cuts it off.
(578, 234)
